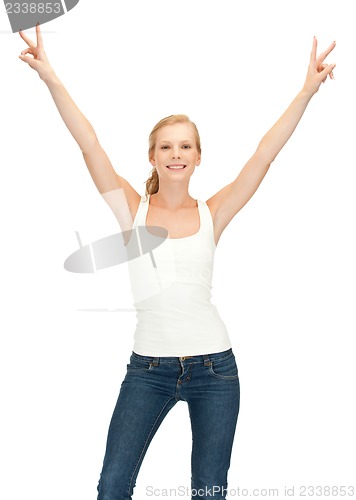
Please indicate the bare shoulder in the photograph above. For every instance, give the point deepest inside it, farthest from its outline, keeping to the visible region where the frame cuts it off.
(215, 203)
(218, 223)
(213, 206)
(132, 196)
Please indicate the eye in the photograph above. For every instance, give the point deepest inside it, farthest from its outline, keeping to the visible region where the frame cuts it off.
(164, 147)
(187, 146)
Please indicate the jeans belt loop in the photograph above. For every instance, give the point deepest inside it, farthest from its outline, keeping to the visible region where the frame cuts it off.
(155, 361)
(207, 361)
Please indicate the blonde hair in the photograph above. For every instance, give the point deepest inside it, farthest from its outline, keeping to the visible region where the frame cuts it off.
(152, 183)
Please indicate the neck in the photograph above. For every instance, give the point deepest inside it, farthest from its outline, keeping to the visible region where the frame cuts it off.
(172, 198)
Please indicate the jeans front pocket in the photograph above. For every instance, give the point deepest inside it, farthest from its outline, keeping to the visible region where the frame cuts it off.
(138, 363)
(224, 368)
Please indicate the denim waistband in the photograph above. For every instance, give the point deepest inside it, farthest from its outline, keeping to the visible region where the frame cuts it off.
(205, 358)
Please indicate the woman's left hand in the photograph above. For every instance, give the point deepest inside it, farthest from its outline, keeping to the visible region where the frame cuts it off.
(318, 71)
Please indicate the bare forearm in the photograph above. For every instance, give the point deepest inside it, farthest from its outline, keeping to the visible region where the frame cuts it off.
(76, 122)
(279, 134)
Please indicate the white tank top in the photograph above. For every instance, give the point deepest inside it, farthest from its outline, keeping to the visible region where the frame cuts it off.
(171, 288)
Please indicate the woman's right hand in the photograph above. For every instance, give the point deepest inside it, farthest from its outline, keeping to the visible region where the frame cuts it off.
(39, 61)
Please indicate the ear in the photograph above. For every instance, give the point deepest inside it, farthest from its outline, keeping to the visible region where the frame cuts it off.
(198, 161)
(153, 161)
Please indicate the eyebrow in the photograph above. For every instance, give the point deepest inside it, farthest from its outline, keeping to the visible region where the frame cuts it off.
(185, 140)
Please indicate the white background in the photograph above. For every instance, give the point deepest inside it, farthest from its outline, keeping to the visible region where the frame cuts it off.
(284, 278)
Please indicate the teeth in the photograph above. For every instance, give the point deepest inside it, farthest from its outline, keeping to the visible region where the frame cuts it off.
(176, 168)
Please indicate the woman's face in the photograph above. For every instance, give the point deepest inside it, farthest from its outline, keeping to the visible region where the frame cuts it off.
(175, 147)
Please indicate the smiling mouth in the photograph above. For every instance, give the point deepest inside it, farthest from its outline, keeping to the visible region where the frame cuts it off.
(176, 167)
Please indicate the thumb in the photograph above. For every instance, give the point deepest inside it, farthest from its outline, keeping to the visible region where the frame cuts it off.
(30, 61)
(326, 71)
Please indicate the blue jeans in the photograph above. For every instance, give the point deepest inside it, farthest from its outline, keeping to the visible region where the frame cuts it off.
(209, 383)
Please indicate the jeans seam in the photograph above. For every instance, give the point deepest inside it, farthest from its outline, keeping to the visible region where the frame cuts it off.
(223, 377)
(149, 359)
(227, 356)
(144, 445)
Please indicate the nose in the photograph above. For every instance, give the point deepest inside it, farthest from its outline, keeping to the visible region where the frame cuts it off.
(176, 153)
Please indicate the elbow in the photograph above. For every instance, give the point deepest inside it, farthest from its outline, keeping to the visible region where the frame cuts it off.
(90, 144)
(264, 156)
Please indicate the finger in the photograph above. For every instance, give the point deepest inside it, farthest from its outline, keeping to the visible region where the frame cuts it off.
(27, 59)
(26, 51)
(39, 36)
(31, 62)
(29, 42)
(321, 67)
(313, 52)
(329, 68)
(326, 52)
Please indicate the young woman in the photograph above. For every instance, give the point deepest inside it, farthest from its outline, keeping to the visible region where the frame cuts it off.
(182, 350)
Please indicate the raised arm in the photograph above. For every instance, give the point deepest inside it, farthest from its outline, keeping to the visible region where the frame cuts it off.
(116, 191)
(228, 201)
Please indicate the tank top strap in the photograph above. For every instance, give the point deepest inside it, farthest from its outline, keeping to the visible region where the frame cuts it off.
(140, 218)
(206, 220)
